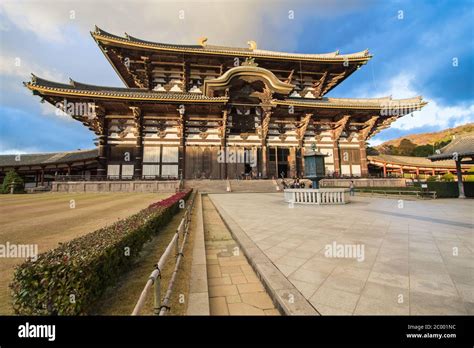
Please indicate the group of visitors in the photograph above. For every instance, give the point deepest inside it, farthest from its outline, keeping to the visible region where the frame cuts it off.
(296, 184)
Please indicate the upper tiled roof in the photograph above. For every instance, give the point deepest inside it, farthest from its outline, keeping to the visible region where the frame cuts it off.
(102, 36)
(47, 158)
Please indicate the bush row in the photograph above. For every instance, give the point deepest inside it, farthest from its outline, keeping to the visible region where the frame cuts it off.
(70, 279)
(450, 189)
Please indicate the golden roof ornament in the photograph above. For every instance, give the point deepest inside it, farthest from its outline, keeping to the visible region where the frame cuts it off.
(252, 45)
(249, 61)
(202, 41)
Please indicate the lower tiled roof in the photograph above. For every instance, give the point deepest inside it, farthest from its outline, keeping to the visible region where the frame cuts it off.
(47, 158)
(411, 161)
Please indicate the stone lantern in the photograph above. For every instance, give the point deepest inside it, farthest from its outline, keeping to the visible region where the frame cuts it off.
(314, 167)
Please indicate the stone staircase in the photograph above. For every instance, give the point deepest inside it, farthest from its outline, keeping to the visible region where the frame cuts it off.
(253, 186)
(220, 186)
(206, 185)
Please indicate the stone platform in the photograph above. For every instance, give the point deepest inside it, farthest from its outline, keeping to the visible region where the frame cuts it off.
(418, 256)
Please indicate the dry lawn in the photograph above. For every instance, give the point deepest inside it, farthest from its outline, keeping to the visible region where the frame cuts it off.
(121, 299)
(50, 218)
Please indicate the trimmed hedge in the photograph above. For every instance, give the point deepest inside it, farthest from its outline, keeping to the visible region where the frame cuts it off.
(69, 280)
(450, 189)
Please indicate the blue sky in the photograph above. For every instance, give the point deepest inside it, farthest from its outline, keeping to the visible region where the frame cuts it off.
(413, 42)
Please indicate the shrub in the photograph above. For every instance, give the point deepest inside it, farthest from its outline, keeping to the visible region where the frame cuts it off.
(432, 178)
(448, 177)
(470, 175)
(444, 189)
(83, 268)
(13, 178)
(469, 189)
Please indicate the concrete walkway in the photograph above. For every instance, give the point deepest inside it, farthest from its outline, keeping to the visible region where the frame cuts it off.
(234, 288)
(417, 255)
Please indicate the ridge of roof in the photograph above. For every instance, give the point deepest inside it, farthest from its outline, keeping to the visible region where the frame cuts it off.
(364, 55)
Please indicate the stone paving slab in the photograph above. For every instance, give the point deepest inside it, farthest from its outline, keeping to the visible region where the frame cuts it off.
(234, 288)
(198, 302)
(418, 256)
(283, 292)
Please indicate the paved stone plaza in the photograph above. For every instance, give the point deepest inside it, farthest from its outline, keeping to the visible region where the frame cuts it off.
(418, 254)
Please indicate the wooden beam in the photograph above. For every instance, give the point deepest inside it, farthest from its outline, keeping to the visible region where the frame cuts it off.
(340, 126)
(333, 81)
(301, 130)
(365, 132)
(318, 85)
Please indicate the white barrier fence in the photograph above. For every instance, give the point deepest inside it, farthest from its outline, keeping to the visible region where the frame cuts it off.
(317, 196)
(160, 308)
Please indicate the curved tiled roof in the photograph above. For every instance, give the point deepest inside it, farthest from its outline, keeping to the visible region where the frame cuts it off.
(463, 145)
(86, 90)
(411, 161)
(47, 158)
(103, 36)
(81, 89)
(365, 103)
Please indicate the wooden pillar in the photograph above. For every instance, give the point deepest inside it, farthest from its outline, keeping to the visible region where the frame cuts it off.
(433, 172)
(138, 118)
(102, 156)
(459, 175)
(276, 162)
(36, 178)
(293, 171)
(42, 176)
(264, 162)
(302, 162)
(223, 134)
(385, 170)
(299, 165)
(364, 170)
(336, 159)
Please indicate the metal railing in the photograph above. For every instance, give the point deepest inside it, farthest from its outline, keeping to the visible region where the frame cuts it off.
(154, 280)
(418, 194)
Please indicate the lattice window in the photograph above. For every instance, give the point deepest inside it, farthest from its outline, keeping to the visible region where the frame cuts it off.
(170, 154)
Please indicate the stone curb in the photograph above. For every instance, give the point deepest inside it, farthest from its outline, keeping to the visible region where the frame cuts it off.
(284, 294)
(198, 302)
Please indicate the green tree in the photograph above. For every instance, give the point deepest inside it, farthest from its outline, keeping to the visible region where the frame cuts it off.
(12, 178)
(470, 174)
(406, 147)
(448, 177)
(372, 151)
(423, 151)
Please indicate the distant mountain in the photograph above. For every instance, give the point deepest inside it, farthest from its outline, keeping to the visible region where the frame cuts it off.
(423, 144)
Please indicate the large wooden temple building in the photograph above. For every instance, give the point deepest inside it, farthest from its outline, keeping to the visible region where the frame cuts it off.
(205, 111)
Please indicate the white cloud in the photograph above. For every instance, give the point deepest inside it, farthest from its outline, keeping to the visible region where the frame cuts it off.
(6, 149)
(20, 67)
(227, 22)
(434, 114)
